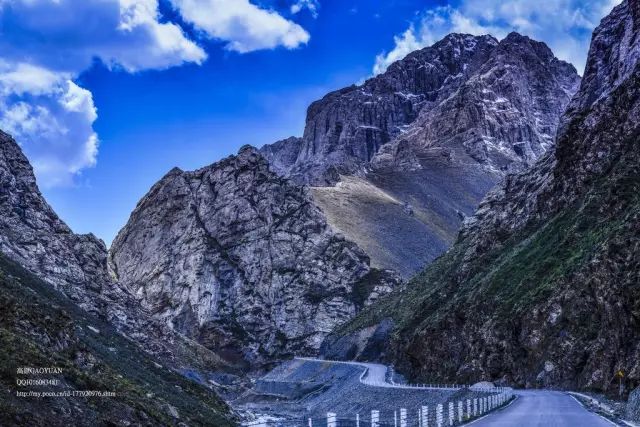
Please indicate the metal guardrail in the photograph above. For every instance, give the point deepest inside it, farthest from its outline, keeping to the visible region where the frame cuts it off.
(392, 384)
(447, 414)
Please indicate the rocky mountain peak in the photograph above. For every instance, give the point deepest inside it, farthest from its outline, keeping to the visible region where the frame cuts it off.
(282, 154)
(241, 260)
(614, 53)
(581, 152)
(348, 128)
(436, 131)
(32, 234)
(34, 237)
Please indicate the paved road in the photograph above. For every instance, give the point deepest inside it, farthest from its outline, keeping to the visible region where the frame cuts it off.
(532, 408)
(535, 408)
(375, 375)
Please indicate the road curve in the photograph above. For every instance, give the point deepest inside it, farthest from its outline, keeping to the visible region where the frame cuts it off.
(375, 374)
(542, 408)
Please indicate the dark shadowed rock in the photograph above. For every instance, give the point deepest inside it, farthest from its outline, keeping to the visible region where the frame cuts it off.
(632, 412)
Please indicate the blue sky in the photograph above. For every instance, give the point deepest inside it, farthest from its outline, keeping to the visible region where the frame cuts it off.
(105, 99)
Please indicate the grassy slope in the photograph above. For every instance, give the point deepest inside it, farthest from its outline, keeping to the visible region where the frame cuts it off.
(41, 328)
(528, 268)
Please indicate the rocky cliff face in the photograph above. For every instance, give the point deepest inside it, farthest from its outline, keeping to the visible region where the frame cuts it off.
(33, 235)
(346, 128)
(67, 311)
(541, 288)
(398, 162)
(496, 102)
(632, 411)
(241, 260)
(503, 116)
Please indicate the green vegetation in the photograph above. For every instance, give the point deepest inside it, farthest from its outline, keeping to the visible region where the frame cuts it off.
(525, 269)
(41, 328)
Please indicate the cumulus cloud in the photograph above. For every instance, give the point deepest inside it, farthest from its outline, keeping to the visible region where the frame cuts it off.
(54, 125)
(565, 25)
(245, 26)
(46, 44)
(311, 5)
(66, 35)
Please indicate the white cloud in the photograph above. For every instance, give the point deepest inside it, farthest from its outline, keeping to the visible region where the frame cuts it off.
(405, 43)
(245, 26)
(66, 35)
(46, 44)
(54, 126)
(565, 25)
(311, 5)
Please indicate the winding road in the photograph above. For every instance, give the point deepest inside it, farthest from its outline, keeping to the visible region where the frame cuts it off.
(375, 374)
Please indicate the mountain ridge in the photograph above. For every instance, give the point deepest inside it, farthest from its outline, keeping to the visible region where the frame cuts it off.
(540, 289)
(55, 292)
(399, 162)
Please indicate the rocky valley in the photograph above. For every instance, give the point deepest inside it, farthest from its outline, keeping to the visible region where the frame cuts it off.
(470, 215)
(60, 307)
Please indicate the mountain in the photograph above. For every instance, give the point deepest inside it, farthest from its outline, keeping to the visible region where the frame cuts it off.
(541, 287)
(41, 328)
(60, 307)
(242, 261)
(397, 163)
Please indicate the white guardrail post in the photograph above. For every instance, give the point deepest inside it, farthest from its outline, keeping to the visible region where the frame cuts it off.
(439, 415)
(459, 411)
(425, 416)
(375, 418)
(450, 413)
(332, 419)
(475, 407)
(403, 417)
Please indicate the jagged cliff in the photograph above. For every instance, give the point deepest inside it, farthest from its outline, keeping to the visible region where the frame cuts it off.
(542, 287)
(66, 311)
(241, 260)
(32, 234)
(398, 162)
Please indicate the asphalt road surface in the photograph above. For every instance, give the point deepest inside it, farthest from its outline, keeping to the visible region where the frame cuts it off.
(375, 375)
(544, 409)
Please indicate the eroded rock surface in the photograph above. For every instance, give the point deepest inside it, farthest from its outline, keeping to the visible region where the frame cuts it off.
(33, 235)
(436, 131)
(241, 260)
(541, 288)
